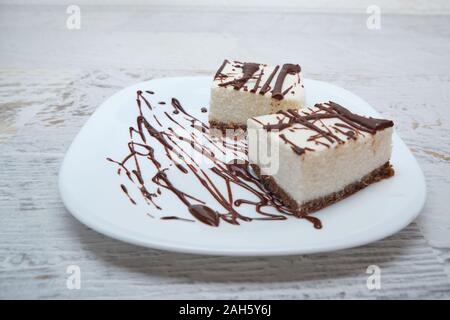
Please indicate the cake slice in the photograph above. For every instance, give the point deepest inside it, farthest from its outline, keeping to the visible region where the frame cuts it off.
(241, 90)
(325, 153)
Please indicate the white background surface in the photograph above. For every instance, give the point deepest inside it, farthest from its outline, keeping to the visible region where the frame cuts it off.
(52, 79)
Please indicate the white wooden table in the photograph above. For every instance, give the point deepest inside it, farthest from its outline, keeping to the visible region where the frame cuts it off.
(52, 79)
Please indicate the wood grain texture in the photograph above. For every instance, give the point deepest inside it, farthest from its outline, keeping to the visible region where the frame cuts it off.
(53, 79)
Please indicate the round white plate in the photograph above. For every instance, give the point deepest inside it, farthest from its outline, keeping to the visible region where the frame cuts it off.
(90, 187)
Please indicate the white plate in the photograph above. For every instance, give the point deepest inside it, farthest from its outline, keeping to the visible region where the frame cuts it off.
(90, 187)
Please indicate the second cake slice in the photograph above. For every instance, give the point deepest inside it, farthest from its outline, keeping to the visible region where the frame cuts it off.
(316, 156)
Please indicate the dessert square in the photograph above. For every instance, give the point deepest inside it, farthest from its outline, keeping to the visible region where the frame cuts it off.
(241, 90)
(325, 153)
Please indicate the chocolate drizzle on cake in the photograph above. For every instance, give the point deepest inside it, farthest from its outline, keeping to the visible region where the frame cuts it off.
(352, 125)
(287, 68)
(219, 73)
(248, 72)
(255, 88)
(366, 123)
(179, 140)
(248, 69)
(294, 147)
(266, 85)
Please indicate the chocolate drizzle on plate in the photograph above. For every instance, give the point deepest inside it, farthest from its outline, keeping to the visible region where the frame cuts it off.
(125, 190)
(205, 214)
(161, 155)
(175, 218)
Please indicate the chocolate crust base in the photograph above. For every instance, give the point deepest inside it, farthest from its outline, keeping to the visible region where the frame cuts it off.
(224, 126)
(383, 172)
